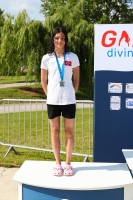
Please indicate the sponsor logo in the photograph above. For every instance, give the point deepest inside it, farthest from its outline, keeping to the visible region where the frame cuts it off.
(129, 88)
(111, 39)
(129, 103)
(115, 87)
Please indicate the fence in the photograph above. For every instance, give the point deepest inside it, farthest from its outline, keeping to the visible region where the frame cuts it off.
(24, 124)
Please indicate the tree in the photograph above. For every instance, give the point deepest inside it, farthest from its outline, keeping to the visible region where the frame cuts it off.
(1, 24)
(1, 17)
(22, 45)
(7, 46)
(30, 44)
(107, 12)
(48, 8)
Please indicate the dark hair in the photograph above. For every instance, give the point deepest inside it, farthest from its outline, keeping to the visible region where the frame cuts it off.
(51, 45)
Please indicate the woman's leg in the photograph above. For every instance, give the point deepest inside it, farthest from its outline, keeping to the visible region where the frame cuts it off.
(69, 126)
(55, 138)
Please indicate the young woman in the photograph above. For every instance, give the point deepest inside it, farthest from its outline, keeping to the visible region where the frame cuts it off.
(59, 66)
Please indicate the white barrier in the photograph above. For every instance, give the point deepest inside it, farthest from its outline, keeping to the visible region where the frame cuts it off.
(24, 124)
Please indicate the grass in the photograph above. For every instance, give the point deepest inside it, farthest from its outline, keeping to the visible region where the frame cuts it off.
(12, 79)
(32, 92)
(25, 92)
(16, 160)
(36, 92)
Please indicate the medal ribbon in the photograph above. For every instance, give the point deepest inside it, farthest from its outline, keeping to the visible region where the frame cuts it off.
(61, 71)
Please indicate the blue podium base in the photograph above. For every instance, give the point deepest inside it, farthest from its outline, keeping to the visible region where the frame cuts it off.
(37, 193)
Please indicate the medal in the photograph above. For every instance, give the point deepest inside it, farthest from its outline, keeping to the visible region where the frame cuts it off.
(62, 83)
(61, 71)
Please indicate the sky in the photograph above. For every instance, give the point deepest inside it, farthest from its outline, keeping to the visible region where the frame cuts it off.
(32, 7)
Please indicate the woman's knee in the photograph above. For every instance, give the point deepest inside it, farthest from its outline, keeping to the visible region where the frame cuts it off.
(55, 132)
(69, 133)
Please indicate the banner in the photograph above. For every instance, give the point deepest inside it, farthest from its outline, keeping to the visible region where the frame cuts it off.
(113, 91)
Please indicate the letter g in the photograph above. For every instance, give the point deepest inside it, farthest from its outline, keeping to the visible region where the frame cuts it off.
(111, 39)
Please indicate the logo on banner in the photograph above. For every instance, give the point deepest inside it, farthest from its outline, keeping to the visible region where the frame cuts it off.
(129, 103)
(111, 39)
(115, 87)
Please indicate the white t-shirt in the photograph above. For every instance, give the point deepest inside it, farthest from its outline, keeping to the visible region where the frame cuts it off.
(58, 95)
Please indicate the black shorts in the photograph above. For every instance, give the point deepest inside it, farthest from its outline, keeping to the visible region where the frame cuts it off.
(67, 111)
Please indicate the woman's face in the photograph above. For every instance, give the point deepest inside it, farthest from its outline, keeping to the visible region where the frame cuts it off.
(59, 41)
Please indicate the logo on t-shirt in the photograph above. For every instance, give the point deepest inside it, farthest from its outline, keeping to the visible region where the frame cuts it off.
(68, 63)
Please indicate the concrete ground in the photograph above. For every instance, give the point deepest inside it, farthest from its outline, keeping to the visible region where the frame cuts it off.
(8, 187)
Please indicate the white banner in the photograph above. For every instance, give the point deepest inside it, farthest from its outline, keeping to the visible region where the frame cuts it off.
(113, 48)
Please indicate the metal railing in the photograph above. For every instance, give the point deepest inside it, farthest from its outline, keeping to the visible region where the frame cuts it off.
(25, 124)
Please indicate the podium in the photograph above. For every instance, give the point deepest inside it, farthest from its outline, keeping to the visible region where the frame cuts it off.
(91, 181)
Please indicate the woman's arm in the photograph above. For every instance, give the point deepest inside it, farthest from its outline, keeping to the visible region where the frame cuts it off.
(44, 77)
(76, 75)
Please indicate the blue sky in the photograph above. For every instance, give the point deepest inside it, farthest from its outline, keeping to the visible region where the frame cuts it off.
(15, 6)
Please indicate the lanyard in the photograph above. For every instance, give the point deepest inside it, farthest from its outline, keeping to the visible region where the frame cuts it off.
(61, 71)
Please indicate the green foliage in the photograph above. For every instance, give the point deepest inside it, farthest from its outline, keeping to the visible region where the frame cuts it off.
(22, 46)
(49, 7)
(1, 18)
(107, 12)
